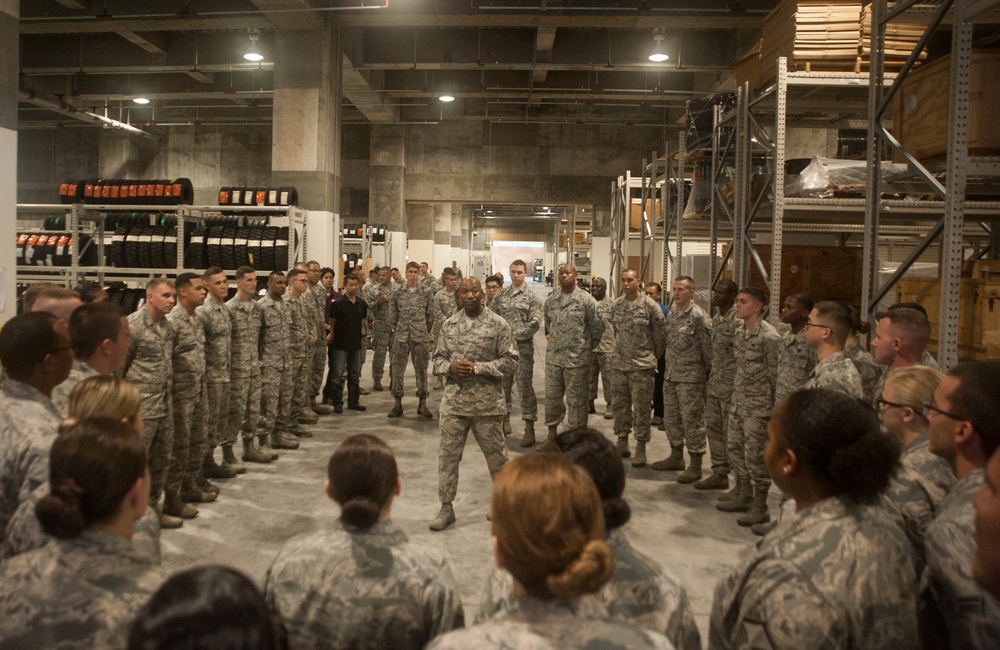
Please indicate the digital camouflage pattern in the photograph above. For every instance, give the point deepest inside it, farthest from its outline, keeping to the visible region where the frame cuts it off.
(60, 394)
(794, 364)
(833, 576)
(955, 611)
(574, 328)
(382, 332)
(631, 393)
(276, 397)
(531, 624)
(917, 489)
(836, 372)
(218, 327)
(341, 587)
(28, 426)
(522, 310)
(148, 363)
(244, 388)
(300, 334)
(868, 370)
(639, 336)
(189, 399)
(640, 592)
(719, 390)
(444, 306)
(688, 345)
(411, 317)
(317, 356)
(77, 593)
(601, 363)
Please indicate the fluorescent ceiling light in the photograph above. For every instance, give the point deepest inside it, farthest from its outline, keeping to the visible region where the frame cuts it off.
(446, 98)
(140, 100)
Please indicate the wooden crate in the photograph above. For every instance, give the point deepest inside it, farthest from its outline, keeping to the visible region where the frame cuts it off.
(824, 272)
(978, 316)
(635, 214)
(920, 108)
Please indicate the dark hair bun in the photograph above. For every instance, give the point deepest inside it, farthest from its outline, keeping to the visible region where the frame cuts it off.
(617, 512)
(60, 511)
(360, 512)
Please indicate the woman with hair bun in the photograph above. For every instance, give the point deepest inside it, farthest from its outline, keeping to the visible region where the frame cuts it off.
(83, 590)
(548, 532)
(839, 573)
(640, 591)
(104, 396)
(360, 583)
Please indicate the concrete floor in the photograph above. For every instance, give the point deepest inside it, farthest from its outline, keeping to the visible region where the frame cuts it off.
(258, 511)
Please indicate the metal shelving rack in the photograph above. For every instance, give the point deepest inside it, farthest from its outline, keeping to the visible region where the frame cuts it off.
(78, 214)
(952, 190)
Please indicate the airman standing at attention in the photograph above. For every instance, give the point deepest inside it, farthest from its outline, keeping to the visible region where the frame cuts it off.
(411, 316)
(148, 365)
(301, 339)
(602, 360)
(378, 303)
(574, 329)
(444, 307)
(214, 317)
(275, 384)
(639, 340)
(244, 386)
(319, 352)
(688, 364)
(522, 310)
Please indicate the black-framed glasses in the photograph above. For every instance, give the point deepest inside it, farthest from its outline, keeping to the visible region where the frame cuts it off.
(809, 324)
(928, 408)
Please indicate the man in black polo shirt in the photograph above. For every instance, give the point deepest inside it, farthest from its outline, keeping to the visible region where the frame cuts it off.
(346, 317)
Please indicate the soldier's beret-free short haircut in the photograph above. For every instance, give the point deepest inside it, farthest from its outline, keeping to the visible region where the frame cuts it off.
(755, 293)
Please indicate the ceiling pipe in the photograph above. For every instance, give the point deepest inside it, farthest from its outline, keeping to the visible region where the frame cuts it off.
(195, 14)
(58, 106)
(474, 5)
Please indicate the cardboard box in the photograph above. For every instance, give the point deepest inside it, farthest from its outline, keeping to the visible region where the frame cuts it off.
(978, 316)
(748, 68)
(920, 108)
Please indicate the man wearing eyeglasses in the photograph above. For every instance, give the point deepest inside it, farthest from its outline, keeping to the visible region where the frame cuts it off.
(826, 333)
(35, 351)
(964, 429)
(189, 408)
(899, 340)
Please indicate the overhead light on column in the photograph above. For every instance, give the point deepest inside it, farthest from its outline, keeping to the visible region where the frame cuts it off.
(659, 53)
(446, 98)
(253, 54)
(142, 101)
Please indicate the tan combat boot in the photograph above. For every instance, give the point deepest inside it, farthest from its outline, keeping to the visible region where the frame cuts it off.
(529, 434)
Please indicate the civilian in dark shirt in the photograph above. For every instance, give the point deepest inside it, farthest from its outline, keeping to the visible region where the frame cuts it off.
(346, 316)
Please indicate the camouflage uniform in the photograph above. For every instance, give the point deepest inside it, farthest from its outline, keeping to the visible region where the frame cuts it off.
(756, 351)
(244, 389)
(275, 367)
(639, 592)
(522, 310)
(574, 330)
(868, 370)
(639, 340)
(475, 402)
(444, 306)
(795, 362)
(917, 489)
(836, 372)
(410, 317)
(25, 532)
(955, 611)
(300, 331)
(689, 355)
(28, 426)
(719, 391)
(602, 362)
(189, 401)
(60, 394)
(833, 575)
(77, 593)
(319, 353)
(429, 284)
(528, 623)
(214, 317)
(149, 365)
(382, 333)
(340, 587)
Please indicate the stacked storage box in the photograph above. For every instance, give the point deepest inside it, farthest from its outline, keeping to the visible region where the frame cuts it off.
(813, 35)
(900, 41)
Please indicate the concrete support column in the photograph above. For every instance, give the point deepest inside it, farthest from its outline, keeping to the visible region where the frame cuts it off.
(387, 172)
(305, 143)
(119, 155)
(442, 238)
(9, 57)
(420, 232)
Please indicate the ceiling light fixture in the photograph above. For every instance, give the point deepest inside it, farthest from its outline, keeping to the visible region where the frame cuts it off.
(142, 101)
(253, 54)
(659, 54)
(446, 98)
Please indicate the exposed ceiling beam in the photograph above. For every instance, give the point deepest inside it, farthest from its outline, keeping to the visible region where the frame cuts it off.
(635, 96)
(147, 69)
(175, 24)
(200, 75)
(548, 67)
(290, 20)
(358, 90)
(545, 40)
(727, 20)
(152, 43)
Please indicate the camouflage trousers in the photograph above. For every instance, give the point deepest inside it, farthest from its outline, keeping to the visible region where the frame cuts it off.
(381, 341)
(189, 437)
(746, 444)
(683, 408)
(300, 387)
(244, 408)
(217, 413)
(317, 362)
(488, 431)
(632, 393)
(421, 356)
(601, 364)
(158, 436)
(570, 383)
(522, 379)
(275, 396)
(716, 428)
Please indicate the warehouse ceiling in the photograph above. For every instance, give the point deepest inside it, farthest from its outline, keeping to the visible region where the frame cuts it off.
(503, 60)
